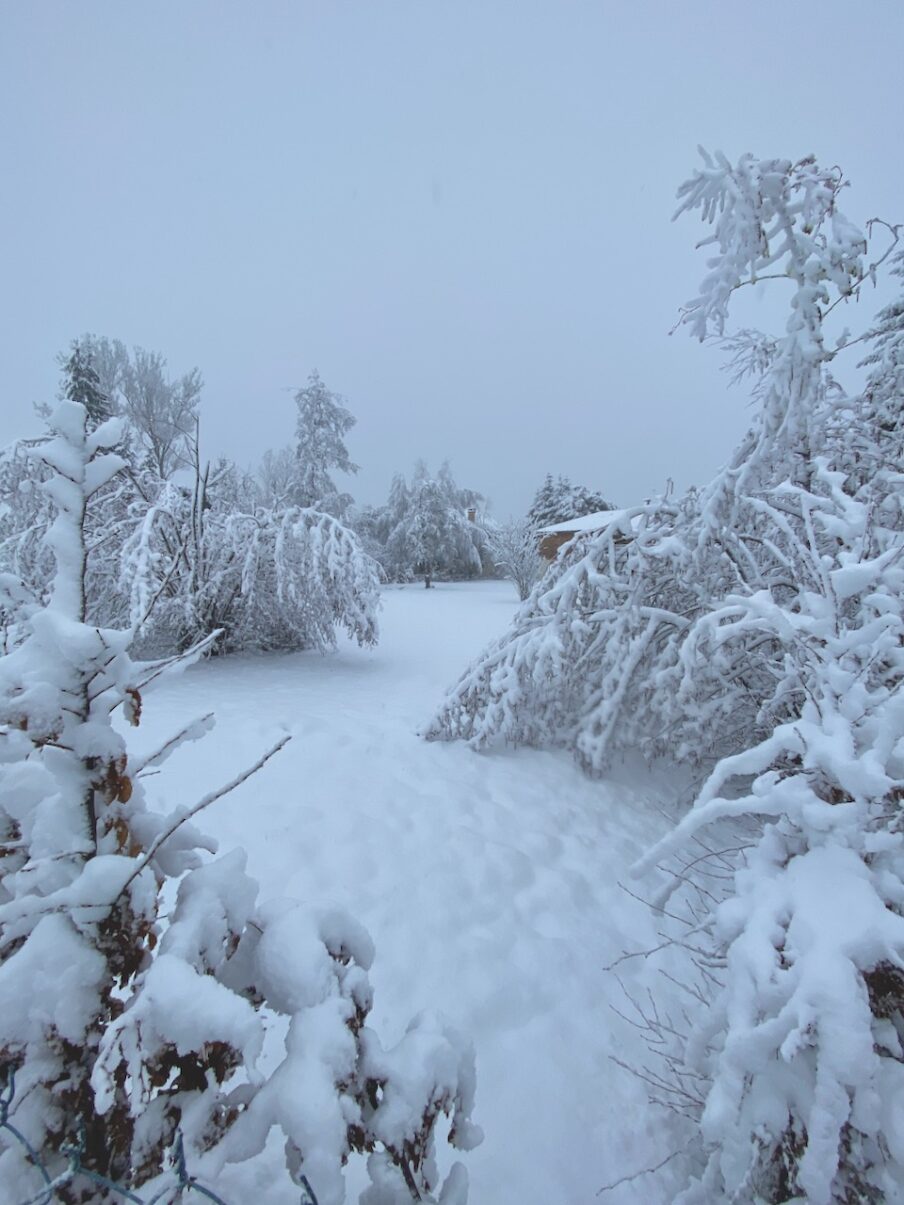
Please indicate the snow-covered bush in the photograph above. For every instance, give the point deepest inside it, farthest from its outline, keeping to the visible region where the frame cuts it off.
(755, 631)
(266, 579)
(179, 562)
(124, 1034)
(576, 666)
(514, 550)
(800, 1046)
(619, 650)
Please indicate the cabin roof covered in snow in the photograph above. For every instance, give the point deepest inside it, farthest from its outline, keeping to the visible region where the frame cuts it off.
(599, 519)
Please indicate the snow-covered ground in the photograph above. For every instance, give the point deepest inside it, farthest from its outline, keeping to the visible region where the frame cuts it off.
(489, 882)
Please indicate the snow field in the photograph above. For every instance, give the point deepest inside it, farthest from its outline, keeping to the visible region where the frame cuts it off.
(489, 882)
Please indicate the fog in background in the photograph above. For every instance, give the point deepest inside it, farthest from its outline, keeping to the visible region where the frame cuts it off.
(458, 212)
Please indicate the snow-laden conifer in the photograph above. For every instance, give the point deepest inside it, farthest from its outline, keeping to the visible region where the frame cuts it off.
(559, 500)
(81, 381)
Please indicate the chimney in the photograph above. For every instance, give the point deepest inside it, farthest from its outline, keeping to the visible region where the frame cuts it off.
(472, 514)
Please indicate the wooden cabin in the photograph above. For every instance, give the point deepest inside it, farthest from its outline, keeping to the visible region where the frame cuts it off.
(552, 538)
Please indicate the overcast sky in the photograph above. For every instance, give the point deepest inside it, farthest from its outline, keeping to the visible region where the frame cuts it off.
(458, 211)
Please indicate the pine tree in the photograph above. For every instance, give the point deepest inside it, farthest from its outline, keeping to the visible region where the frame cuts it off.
(546, 507)
(557, 501)
(81, 382)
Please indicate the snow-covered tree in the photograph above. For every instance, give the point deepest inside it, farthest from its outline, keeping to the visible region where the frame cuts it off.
(388, 528)
(127, 1035)
(111, 516)
(78, 898)
(428, 529)
(753, 631)
(202, 560)
(559, 500)
(514, 549)
(26, 564)
(81, 381)
(276, 477)
(182, 557)
(639, 585)
(25, 518)
(323, 423)
(162, 412)
(111, 360)
(431, 527)
(885, 387)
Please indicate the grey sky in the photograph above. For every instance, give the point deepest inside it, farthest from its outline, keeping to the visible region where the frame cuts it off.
(457, 211)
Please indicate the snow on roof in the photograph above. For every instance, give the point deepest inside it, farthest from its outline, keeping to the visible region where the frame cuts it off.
(594, 522)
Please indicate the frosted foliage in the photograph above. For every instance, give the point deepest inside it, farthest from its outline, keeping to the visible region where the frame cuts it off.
(424, 528)
(621, 638)
(527, 687)
(26, 558)
(276, 477)
(127, 1023)
(559, 500)
(885, 386)
(801, 1045)
(754, 631)
(177, 564)
(81, 381)
(161, 412)
(265, 579)
(66, 809)
(514, 549)
(323, 422)
(25, 514)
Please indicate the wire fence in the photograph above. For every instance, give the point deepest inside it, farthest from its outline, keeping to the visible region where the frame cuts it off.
(180, 1180)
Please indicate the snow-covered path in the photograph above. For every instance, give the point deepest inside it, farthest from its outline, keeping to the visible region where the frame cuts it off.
(488, 881)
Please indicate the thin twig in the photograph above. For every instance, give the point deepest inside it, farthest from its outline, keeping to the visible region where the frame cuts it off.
(644, 1171)
(163, 752)
(207, 800)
